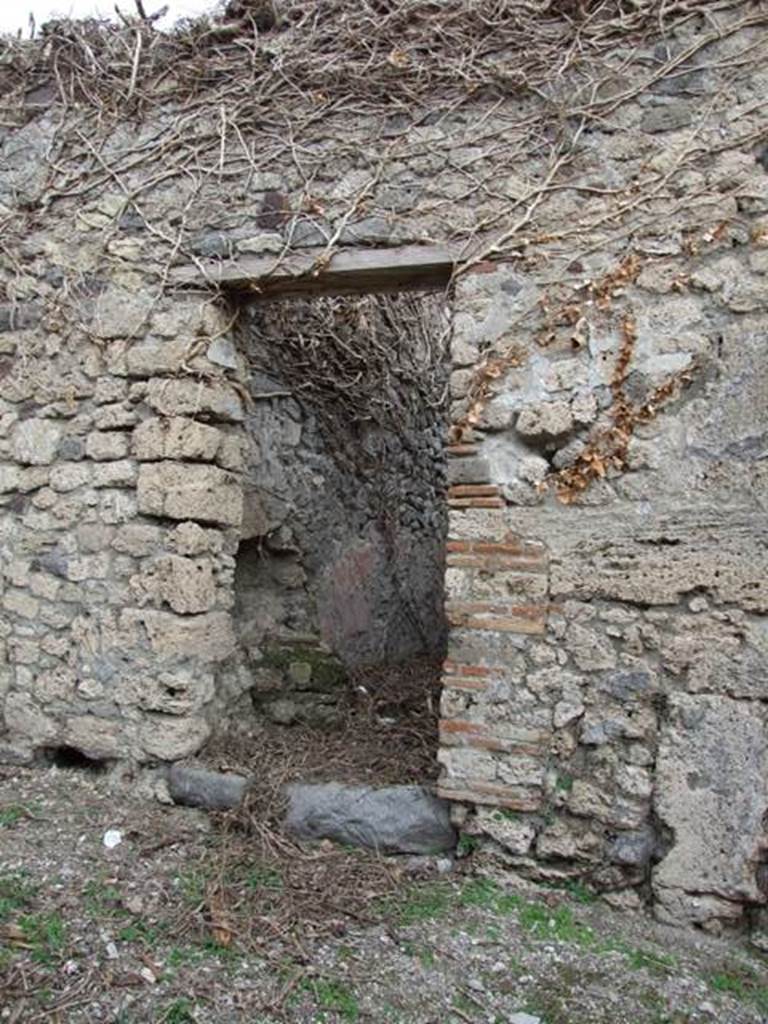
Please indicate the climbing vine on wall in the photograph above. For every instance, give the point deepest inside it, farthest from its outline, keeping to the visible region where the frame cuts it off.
(221, 102)
(356, 361)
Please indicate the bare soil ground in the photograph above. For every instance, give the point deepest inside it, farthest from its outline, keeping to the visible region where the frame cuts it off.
(185, 920)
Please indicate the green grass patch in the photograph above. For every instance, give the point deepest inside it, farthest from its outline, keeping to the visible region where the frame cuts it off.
(427, 958)
(647, 959)
(180, 1011)
(46, 934)
(555, 924)
(577, 891)
(261, 877)
(542, 920)
(103, 900)
(484, 893)
(141, 932)
(564, 783)
(424, 903)
(743, 983)
(728, 983)
(192, 885)
(423, 954)
(504, 814)
(184, 956)
(11, 813)
(467, 844)
(464, 1004)
(336, 996)
(16, 892)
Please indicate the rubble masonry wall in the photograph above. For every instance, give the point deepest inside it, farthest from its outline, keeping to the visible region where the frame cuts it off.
(604, 709)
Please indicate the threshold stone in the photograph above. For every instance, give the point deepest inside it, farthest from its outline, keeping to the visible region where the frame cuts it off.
(196, 787)
(392, 819)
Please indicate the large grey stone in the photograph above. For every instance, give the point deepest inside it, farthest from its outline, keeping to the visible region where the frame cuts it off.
(400, 819)
(196, 787)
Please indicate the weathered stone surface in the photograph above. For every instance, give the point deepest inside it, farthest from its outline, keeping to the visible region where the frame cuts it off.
(607, 407)
(617, 810)
(24, 170)
(18, 602)
(190, 398)
(178, 692)
(150, 359)
(137, 539)
(88, 567)
(667, 118)
(187, 585)
(222, 352)
(565, 840)
(658, 563)
(9, 478)
(515, 833)
(190, 491)
(265, 242)
(196, 787)
(205, 637)
(35, 441)
(122, 473)
(404, 819)
(471, 470)
(114, 415)
(23, 717)
(97, 738)
(176, 438)
(169, 739)
(565, 712)
(68, 476)
(633, 848)
(107, 445)
(121, 313)
(191, 539)
(547, 419)
(712, 794)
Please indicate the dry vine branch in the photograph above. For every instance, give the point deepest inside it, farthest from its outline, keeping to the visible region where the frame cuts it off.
(219, 102)
(377, 360)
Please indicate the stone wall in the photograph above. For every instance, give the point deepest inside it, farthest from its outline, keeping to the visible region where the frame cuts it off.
(607, 667)
(605, 690)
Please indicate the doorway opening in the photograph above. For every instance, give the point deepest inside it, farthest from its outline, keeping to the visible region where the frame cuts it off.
(339, 578)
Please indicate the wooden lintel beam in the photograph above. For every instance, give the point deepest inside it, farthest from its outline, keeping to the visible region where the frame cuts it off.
(307, 273)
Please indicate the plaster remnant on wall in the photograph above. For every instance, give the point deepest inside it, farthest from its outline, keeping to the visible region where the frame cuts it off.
(711, 792)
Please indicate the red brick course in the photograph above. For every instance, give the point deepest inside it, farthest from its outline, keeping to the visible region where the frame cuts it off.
(515, 798)
(476, 502)
(526, 619)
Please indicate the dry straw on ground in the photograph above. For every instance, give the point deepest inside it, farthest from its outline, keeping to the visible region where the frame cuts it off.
(387, 734)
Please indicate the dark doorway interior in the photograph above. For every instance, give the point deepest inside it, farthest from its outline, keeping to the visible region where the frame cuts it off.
(340, 572)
